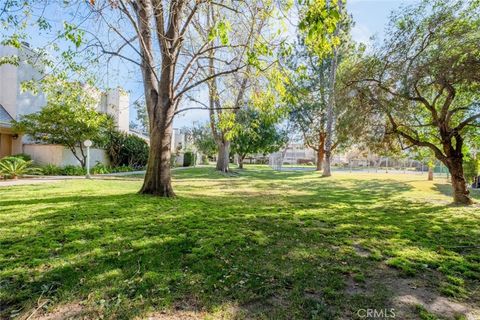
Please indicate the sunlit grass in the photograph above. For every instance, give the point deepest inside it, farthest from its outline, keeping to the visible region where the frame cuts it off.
(278, 245)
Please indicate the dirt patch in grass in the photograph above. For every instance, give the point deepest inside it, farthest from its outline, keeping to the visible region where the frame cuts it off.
(62, 312)
(410, 295)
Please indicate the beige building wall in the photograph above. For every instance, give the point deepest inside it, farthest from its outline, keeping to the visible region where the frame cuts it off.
(12, 98)
(60, 156)
(116, 103)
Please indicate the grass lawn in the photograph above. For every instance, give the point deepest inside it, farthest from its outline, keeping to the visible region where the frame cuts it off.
(260, 244)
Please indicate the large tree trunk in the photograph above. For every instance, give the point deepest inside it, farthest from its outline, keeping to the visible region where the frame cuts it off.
(461, 194)
(223, 158)
(320, 151)
(158, 180)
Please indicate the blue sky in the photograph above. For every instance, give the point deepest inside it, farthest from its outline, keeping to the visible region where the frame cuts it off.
(371, 18)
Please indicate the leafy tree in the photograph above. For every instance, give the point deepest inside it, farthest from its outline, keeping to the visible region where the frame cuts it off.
(202, 138)
(126, 149)
(256, 133)
(425, 82)
(309, 94)
(228, 94)
(68, 119)
(163, 39)
(321, 23)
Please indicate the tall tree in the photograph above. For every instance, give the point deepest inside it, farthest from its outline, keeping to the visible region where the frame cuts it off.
(228, 94)
(322, 23)
(164, 43)
(425, 80)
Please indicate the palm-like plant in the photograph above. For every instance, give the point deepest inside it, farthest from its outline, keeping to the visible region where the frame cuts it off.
(13, 167)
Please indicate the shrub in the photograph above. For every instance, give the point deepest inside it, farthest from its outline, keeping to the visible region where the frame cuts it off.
(14, 167)
(23, 156)
(51, 170)
(470, 168)
(100, 168)
(205, 160)
(127, 150)
(188, 158)
(123, 169)
(71, 170)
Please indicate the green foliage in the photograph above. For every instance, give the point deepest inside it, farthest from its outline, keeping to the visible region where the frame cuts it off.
(23, 156)
(220, 31)
(71, 170)
(256, 133)
(68, 119)
(188, 159)
(471, 167)
(126, 149)
(319, 23)
(202, 138)
(100, 168)
(14, 167)
(51, 170)
(424, 314)
(424, 78)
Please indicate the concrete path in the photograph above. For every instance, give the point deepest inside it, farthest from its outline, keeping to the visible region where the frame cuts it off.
(51, 179)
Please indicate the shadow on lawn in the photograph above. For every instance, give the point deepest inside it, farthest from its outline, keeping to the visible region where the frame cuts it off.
(127, 254)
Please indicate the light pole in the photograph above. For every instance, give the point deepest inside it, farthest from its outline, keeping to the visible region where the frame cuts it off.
(88, 144)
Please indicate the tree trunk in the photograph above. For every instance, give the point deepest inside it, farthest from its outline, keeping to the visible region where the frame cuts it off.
(461, 194)
(320, 151)
(223, 158)
(430, 173)
(331, 104)
(158, 180)
(240, 161)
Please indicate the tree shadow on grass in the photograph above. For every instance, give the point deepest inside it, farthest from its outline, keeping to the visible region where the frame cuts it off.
(278, 255)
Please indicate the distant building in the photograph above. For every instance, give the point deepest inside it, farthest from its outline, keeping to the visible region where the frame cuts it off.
(14, 103)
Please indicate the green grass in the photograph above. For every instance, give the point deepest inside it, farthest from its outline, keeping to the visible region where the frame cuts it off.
(259, 244)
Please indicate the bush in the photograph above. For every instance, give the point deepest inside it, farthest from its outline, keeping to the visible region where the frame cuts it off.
(14, 167)
(100, 168)
(123, 169)
(23, 156)
(71, 170)
(51, 170)
(205, 160)
(470, 168)
(127, 150)
(188, 159)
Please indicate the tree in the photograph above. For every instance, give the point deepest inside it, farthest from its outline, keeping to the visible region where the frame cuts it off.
(68, 119)
(164, 42)
(256, 133)
(126, 149)
(425, 81)
(202, 138)
(322, 23)
(228, 94)
(309, 93)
